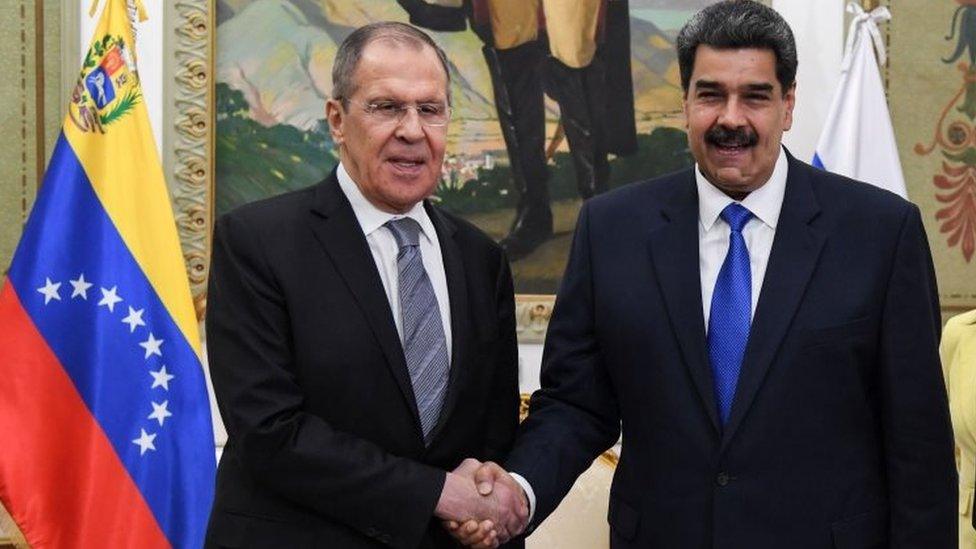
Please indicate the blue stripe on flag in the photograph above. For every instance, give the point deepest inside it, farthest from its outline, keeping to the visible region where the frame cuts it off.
(69, 234)
(817, 163)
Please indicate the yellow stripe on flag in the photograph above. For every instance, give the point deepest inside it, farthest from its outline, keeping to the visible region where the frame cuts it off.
(108, 129)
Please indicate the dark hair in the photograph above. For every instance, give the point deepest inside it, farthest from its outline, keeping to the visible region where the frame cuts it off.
(351, 50)
(734, 24)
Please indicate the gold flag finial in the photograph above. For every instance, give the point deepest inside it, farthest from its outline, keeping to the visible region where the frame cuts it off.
(141, 10)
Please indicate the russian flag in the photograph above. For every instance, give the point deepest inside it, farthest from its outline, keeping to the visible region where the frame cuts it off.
(858, 140)
(104, 414)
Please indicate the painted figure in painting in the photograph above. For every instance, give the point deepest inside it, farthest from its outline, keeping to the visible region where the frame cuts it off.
(579, 54)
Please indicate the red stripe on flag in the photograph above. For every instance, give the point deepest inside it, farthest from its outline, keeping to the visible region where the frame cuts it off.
(60, 478)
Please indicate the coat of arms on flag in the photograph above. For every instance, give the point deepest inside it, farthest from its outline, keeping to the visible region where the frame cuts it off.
(108, 88)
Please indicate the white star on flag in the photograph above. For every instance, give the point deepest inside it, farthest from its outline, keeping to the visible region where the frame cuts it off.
(161, 378)
(80, 287)
(152, 346)
(160, 413)
(145, 442)
(134, 319)
(110, 298)
(50, 290)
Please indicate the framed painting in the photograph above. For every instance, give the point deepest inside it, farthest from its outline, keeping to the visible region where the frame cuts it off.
(251, 78)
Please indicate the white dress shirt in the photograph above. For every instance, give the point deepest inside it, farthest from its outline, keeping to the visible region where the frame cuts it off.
(765, 203)
(384, 248)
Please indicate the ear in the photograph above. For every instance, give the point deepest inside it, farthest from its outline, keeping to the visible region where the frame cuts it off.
(336, 116)
(789, 100)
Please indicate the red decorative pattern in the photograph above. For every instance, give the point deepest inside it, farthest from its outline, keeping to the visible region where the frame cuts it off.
(955, 138)
(959, 216)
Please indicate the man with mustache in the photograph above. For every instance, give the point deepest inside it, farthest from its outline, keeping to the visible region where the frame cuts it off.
(763, 334)
(356, 332)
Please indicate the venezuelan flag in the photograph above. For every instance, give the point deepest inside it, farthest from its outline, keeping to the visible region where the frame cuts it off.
(104, 415)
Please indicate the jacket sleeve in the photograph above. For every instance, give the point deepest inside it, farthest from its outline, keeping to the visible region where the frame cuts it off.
(295, 454)
(574, 417)
(922, 484)
(503, 410)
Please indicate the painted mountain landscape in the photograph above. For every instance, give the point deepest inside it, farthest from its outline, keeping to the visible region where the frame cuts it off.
(274, 63)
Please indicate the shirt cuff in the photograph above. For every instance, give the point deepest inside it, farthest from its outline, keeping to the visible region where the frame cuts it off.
(529, 494)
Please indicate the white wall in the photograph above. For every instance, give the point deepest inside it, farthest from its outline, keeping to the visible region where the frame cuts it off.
(149, 48)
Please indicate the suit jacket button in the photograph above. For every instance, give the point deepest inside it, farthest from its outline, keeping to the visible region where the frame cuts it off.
(722, 479)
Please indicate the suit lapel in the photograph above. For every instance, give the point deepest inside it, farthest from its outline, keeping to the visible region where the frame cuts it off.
(337, 229)
(458, 297)
(674, 254)
(792, 260)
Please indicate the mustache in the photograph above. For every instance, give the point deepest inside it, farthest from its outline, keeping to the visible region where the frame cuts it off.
(721, 136)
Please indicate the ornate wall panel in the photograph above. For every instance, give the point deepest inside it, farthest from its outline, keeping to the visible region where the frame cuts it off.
(187, 143)
(932, 96)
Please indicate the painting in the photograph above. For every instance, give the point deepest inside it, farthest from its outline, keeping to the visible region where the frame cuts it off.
(933, 56)
(273, 76)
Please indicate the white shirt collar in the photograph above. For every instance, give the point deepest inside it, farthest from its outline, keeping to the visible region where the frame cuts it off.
(765, 203)
(372, 218)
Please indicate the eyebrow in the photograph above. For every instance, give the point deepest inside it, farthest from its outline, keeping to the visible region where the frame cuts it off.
(754, 87)
(387, 99)
(708, 84)
(764, 87)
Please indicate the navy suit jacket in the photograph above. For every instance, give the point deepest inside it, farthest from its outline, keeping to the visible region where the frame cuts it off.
(839, 434)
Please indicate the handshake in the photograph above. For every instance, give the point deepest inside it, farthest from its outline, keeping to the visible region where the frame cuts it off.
(481, 505)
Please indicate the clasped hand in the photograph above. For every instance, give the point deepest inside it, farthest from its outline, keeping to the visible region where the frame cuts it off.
(481, 505)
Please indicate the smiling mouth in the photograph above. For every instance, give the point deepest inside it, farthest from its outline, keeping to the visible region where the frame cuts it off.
(407, 163)
(731, 149)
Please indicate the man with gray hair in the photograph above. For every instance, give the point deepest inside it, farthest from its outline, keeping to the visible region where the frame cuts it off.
(763, 334)
(361, 340)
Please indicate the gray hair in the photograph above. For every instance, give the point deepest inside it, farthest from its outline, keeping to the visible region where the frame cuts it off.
(351, 51)
(734, 24)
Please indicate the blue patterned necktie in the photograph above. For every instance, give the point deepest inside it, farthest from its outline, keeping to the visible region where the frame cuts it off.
(731, 312)
(424, 344)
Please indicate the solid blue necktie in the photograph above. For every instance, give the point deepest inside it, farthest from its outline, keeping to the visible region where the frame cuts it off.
(731, 312)
(424, 343)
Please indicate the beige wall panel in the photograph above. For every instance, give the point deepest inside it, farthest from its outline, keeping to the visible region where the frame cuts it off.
(31, 93)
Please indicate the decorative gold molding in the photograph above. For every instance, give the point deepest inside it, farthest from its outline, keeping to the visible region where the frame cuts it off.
(609, 457)
(192, 171)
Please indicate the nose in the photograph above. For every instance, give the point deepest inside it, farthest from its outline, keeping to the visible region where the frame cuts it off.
(409, 127)
(733, 114)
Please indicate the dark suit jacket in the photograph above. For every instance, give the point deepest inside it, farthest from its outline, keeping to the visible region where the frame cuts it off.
(325, 446)
(839, 435)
